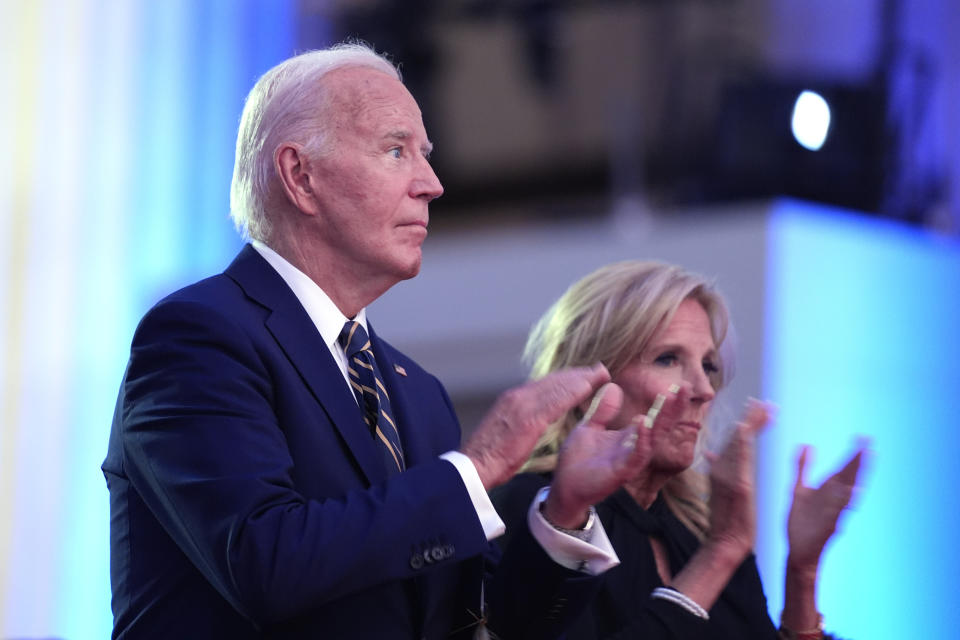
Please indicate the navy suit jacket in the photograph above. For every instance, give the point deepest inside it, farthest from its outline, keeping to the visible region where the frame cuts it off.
(248, 499)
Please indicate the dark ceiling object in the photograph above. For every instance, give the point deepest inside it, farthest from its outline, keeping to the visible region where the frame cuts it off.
(401, 29)
(869, 160)
(754, 152)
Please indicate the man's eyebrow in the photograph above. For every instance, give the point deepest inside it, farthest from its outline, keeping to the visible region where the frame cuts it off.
(401, 134)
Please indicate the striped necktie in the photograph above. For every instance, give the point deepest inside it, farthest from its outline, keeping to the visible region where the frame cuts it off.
(367, 384)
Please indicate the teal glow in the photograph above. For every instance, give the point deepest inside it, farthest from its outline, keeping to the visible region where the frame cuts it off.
(863, 337)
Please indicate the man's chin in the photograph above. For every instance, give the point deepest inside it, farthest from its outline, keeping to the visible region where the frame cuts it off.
(410, 270)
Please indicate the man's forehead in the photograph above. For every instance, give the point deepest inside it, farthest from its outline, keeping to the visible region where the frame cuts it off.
(368, 100)
(365, 88)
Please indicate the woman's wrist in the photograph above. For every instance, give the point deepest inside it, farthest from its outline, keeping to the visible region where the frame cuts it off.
(726, 552)
(811, 633)
(802, 572)
(800, 598)
(708, 571)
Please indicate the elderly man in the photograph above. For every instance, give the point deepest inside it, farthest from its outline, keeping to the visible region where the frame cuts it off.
(277, 470)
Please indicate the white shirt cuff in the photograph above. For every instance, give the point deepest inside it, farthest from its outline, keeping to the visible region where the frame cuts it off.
(593, 557)
(489, 519)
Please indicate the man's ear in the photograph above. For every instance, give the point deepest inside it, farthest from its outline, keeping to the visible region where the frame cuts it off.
(292, 166)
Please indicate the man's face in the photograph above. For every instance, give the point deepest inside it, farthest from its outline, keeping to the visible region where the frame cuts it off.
(376, 183)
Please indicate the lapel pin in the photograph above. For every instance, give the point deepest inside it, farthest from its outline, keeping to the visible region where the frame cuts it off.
(400, 370)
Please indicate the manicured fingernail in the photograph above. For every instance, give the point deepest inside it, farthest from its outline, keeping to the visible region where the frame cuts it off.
(658, 402)
(595, 402)
(674, 389)
(654, 411)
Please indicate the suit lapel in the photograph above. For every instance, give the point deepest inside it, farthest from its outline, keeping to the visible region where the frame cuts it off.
(415, 447)
(300, 341)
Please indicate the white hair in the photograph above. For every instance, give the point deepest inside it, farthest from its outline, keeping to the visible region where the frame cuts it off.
(286, 104)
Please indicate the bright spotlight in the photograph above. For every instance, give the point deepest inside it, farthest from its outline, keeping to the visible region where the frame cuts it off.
(811, 120)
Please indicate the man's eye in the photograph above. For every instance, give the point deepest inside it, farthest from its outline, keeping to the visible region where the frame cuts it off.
(396, 152)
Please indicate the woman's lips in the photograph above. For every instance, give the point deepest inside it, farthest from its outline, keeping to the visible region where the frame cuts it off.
(689, 424)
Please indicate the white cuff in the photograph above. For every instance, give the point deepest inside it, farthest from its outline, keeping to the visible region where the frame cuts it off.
(593, 557)
(489, 519)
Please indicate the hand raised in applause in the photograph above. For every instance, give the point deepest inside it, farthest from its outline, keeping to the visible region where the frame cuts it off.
(595, 461)
(507, 434)
(733, 519)
(814, 512)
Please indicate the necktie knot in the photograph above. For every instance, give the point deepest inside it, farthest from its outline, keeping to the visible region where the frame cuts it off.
(353, 338)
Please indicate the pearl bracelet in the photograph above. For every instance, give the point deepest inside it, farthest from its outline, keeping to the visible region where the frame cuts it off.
(674, 596)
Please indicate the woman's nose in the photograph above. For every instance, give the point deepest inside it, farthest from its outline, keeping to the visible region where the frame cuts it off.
(701, 388)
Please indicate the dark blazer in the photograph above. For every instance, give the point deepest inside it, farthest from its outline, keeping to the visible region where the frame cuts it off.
(248, 500)
(622, 608)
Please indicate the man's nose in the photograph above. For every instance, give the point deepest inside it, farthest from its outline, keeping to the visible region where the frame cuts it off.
(426, 185)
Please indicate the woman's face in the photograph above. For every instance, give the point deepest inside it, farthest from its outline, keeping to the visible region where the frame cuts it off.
(681, 353)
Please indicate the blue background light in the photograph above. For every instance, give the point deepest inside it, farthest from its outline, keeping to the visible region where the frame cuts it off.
(119, 139)
(863, 337)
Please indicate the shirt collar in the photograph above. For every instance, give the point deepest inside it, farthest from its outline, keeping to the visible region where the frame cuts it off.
(325, 315)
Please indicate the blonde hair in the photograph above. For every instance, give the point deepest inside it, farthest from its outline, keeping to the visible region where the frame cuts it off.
(609, 316)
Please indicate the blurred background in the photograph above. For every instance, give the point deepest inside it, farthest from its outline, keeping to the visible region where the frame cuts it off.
(807, 155)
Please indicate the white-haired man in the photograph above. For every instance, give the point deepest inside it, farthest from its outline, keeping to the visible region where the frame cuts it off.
(277, 470)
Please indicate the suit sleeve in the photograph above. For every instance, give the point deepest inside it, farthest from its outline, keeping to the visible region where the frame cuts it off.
(204, 447)
(532, 596)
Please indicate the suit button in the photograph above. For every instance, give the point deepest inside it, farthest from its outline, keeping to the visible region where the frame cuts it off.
(416, 561)
(436, 554)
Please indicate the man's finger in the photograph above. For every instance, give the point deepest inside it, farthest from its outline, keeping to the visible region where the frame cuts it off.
(565, 389)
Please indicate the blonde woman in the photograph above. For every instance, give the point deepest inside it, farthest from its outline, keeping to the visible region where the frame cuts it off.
(684, 540)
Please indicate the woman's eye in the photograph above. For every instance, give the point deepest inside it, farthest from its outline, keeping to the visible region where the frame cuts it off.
(710, 366)
(666, 359)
